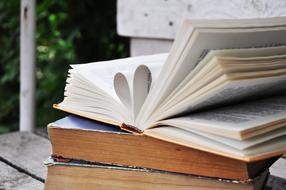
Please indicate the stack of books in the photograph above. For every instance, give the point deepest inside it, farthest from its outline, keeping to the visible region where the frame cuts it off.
(92, 155)
(211, 114)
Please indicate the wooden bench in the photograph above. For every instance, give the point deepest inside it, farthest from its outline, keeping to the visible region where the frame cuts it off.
(151, 25)
(22, 156)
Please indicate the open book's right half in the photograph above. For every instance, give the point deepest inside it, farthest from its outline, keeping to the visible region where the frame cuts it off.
(221, 89)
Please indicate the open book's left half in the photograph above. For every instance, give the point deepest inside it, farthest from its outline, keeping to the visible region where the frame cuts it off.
(111, 91)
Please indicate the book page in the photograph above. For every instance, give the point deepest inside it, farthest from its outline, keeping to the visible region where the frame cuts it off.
(239, 68)
(132, 86)
(199, 43)
(121, 82)
(247, 143)
(142, 81)
(90, 91)
(145, 76)
(238, 121)
(248, 53)
(224, 91)
(274, 147)
(101, 74)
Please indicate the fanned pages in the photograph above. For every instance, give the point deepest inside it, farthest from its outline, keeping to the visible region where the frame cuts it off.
(111, 91)
(220, 89)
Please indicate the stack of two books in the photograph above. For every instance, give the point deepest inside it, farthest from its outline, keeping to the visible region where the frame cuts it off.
(211, 114)
(93, 155)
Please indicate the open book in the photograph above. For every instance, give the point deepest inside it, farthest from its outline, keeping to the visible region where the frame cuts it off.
(220, 89)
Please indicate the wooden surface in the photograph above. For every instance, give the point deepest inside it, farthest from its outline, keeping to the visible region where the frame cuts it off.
(162, 18)
(278, 169)
(22, 155)
(152, 25)
(10, 178)
(147, 46)
(26, 150)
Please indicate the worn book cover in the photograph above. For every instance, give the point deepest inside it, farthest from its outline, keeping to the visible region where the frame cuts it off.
(81, 175)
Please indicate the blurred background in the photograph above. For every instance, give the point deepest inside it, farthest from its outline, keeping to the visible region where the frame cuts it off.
(68, 32)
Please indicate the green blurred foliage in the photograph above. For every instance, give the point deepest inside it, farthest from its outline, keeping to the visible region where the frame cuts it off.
(68, 32)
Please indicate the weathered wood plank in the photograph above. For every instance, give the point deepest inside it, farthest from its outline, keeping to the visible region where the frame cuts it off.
(275, 183)
(278, 169)
(161, 18)
(27, 151)
(43, 132)
(10, 178)
(145, 46)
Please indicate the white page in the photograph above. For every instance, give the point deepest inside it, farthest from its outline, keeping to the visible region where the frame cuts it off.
(145, 76)
(192, 140)
(231, 121)
(101, 74)
(140, 88)
(227, 92)
(241, 53)
(94, 81)
(132, 86)
(222, 66)
(121, 83)
(247, 143)
(94, 113)
(176, 70)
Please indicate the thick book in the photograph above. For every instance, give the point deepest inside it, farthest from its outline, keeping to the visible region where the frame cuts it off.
(221, 89)
(80, 175)
(78, 138)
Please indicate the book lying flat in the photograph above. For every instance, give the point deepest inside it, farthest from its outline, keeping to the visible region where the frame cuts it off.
(83, 139)
(80, 175)
(221, 89)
